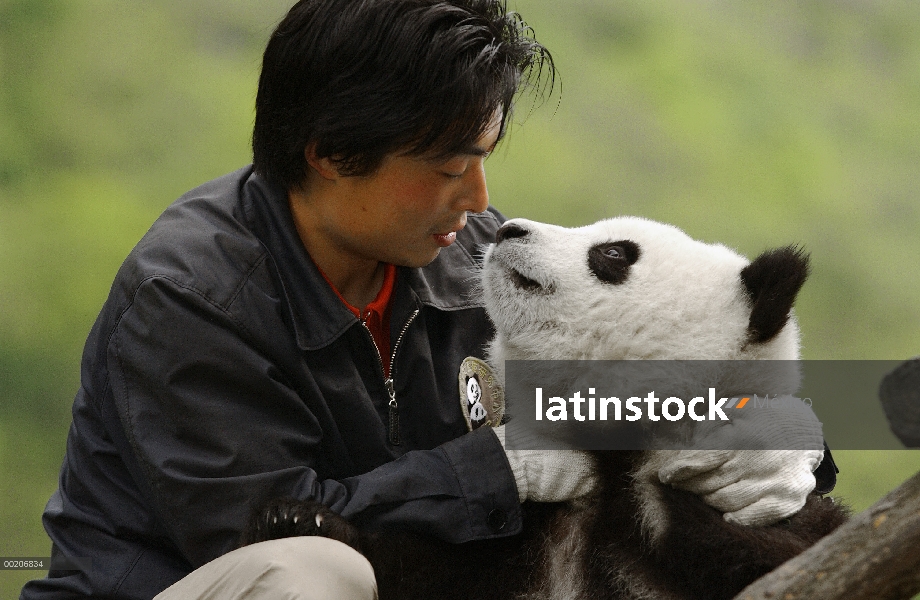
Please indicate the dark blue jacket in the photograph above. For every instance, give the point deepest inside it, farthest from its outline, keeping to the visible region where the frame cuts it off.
(223, 371)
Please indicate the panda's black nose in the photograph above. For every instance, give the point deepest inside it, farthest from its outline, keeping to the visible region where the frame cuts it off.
(508, 231)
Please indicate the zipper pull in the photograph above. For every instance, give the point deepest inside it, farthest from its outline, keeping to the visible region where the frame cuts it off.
(394, 412)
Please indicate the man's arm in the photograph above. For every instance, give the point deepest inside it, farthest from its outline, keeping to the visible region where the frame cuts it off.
(216, 428)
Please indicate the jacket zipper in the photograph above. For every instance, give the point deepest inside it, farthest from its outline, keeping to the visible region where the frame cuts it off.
(393, 406)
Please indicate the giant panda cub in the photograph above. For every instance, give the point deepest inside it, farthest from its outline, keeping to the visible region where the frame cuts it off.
(622, 288)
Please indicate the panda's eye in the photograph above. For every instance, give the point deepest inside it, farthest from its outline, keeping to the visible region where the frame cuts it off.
(610, 261)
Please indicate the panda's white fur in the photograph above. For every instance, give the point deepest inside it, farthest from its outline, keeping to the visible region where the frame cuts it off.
(683, 299)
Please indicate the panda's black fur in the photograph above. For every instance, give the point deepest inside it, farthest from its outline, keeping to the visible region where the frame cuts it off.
(594, 548)
(704, 557)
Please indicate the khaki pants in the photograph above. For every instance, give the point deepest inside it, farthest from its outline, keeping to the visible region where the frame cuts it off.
(297, 568)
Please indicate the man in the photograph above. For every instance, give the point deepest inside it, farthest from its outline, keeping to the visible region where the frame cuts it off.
(296, 328)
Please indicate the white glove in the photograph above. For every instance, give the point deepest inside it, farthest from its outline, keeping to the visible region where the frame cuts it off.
(549, 475)
(753, 487)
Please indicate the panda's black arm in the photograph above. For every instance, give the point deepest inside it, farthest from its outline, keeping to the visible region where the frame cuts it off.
(826, 473)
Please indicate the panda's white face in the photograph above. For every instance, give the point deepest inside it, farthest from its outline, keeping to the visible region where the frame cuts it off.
(626, 288)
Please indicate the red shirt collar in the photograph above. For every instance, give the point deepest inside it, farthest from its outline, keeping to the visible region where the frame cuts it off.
(376, 315)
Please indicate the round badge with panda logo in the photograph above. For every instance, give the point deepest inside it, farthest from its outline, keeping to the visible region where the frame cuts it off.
(482, 398)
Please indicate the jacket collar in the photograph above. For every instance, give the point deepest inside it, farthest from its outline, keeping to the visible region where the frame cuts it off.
(319, 317)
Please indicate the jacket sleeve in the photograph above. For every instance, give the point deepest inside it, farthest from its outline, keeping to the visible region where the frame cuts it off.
(215, 429)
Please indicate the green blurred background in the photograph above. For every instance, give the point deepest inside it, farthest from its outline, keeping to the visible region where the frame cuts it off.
(755, 123)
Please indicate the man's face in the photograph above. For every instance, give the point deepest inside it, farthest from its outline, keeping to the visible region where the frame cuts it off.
(406, 211)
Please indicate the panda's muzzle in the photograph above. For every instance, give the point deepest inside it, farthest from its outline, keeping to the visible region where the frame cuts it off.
(515, 231)
(508, 231)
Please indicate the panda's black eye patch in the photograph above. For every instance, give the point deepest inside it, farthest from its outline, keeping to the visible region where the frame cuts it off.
(610, 261)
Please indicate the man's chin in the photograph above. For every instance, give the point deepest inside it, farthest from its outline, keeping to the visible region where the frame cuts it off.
(421, 259)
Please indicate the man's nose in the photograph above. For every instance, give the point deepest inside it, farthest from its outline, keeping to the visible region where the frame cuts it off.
(475, 192)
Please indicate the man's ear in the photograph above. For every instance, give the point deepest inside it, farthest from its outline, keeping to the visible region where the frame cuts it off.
(325, 167)
(772, 282)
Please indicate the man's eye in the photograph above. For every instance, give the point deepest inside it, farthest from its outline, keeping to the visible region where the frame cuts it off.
(454, 168)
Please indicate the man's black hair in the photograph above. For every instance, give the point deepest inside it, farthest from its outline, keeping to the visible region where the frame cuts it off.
(364, 78)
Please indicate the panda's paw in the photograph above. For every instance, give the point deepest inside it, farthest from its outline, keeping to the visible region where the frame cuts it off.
(288, 517)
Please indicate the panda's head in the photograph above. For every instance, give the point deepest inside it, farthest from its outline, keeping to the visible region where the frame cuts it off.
(630, 288)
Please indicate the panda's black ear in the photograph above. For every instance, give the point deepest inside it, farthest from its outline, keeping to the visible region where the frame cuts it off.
(773, 281)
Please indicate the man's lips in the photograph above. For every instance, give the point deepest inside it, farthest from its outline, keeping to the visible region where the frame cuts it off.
(450, 234)
(445, 239)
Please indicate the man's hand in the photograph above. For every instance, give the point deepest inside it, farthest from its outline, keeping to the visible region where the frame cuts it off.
(752, 487)
(550, 475)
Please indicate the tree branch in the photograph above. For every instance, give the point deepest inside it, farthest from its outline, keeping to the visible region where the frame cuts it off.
(874, 556)
(900, 396)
